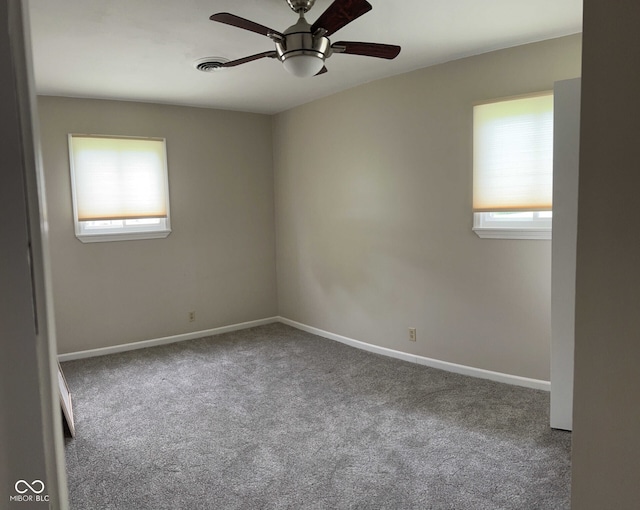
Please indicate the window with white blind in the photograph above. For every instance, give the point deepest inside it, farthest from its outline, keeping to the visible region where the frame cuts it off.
(120, 187)
(513, 168)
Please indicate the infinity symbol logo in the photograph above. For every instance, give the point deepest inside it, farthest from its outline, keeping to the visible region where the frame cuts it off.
(28, 486)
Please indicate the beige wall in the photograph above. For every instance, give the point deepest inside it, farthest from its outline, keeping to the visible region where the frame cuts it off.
(220, 258)
(606, 437)
(373, 216)
(373, 208)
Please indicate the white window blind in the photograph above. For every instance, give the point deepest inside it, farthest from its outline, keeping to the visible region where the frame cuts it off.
(513, 155)
(118, 178)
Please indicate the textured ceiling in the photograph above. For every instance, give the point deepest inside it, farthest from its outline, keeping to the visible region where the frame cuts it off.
(144, 50)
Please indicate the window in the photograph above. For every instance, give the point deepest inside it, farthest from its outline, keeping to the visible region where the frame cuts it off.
(513, 168)
(120, 188)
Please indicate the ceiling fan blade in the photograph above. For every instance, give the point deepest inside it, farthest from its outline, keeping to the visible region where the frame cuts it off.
(251, 58)
(339, 14)
(237, 21)
(388, 51)
(322, 71)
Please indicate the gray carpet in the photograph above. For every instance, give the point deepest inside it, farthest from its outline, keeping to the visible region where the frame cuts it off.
(275, 418)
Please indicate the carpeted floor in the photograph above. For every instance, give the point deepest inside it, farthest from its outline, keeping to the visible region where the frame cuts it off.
(276, 418)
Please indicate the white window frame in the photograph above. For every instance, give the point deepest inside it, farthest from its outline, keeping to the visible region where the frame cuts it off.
(94, 232)
(126, 229)
(487, 226)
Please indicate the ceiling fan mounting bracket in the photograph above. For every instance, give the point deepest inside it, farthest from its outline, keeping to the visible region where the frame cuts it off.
(321, 32)
(275, 37)
(301, 6)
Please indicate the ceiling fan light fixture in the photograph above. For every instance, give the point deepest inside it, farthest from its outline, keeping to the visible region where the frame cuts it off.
(303, 64)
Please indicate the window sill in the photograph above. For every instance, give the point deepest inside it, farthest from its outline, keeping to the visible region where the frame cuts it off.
(128, 236)
(512, 233)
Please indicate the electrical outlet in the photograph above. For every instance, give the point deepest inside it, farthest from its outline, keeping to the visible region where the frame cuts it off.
(192, 316)
(412, 334)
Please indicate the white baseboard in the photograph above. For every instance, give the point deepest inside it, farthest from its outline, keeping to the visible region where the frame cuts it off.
(165, 340)
(421, 360)
(413, 358)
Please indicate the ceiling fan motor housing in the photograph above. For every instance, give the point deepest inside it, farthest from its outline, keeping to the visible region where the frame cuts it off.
(298, 40)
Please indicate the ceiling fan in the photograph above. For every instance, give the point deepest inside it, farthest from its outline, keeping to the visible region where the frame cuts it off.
(303, 48)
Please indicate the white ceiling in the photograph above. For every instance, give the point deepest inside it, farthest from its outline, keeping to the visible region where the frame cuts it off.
(144, 50)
